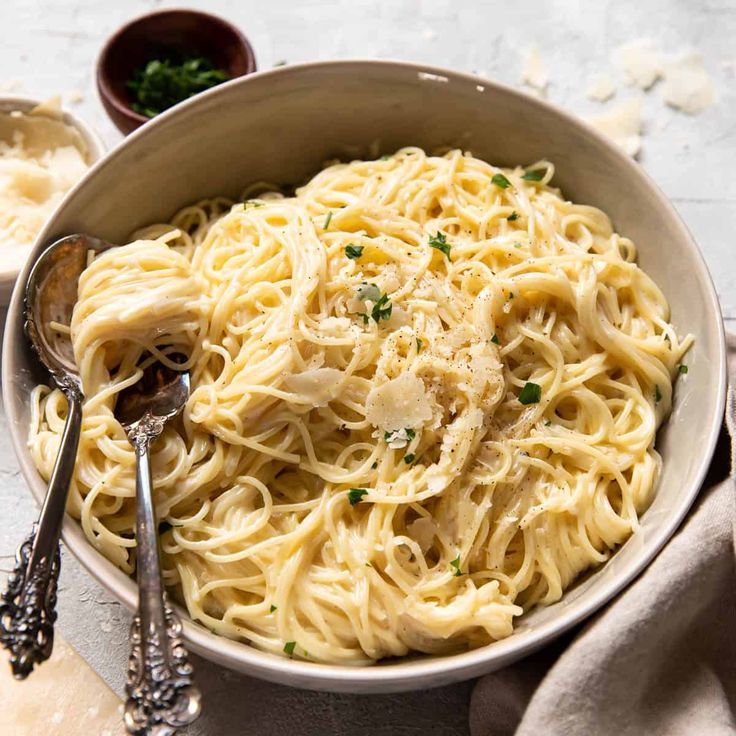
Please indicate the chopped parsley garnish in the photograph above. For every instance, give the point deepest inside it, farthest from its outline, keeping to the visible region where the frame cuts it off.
(289, 647)
(547, 422)
(281, 62)
(162, 83)
(382, 309)
(354, 251)
(419, 344)
(531, 393)
(534, 174)
(657, 394)
(409, 459)
(439, 241)
(273, 608)
(355, 495)
(500, 181)
(251, 203)
(374, 466)
(328, 220)
(495, 339)
(456, 564)
(682, 369)
(513, 216)
(385, 157)
(382, 306)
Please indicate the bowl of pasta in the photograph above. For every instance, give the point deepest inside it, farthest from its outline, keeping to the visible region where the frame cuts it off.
(445, 372)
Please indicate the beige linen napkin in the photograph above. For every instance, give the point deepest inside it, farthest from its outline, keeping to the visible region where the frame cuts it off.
(659, 660)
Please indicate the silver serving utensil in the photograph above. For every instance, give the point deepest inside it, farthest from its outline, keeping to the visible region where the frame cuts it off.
(161, 695)
(28, 606)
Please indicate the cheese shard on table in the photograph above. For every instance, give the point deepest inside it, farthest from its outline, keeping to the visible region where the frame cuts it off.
(63, 697)
(601, 88)
(641, 62)
(687, 86)
(622, 124)
(533, 73)
(399, 403)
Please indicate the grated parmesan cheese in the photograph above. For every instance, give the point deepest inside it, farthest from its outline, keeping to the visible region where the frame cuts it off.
(41, 158)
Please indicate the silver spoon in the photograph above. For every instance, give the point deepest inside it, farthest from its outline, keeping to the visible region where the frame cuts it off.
(161, 695)
(28, 606)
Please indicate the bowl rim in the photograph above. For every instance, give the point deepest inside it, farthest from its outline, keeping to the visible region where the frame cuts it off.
(102, 76)
(409, 674)
(96, 150)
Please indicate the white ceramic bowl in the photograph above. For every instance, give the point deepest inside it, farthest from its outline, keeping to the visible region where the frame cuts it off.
(280, 125)
(11, 263)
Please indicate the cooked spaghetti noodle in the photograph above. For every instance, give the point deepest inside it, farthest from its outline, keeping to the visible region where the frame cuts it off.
(425, 393)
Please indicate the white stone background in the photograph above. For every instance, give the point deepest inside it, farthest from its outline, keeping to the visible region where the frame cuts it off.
(49, 47)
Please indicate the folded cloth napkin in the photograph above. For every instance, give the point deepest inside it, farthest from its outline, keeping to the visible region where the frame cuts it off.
(660, 659)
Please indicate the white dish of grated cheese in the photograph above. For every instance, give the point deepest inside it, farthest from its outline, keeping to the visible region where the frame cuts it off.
(44, 152)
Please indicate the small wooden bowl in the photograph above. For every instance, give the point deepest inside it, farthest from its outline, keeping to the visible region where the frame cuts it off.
(145, 37)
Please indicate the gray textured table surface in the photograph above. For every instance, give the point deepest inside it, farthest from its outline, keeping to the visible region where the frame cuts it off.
(49, 47)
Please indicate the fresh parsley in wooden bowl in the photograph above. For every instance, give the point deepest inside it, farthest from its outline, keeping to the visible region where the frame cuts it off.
(163, 58)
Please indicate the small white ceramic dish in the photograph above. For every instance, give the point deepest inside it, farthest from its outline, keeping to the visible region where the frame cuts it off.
(281, 125)
(12, 261)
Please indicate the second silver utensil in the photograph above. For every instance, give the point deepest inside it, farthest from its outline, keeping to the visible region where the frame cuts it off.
(161, 695)
(28, 606)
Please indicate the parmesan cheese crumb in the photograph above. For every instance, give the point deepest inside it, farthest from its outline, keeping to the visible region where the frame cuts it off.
(533, 73)
(622, 124)
(10, 86)
(641, 62)
(601, 88)
(687, 86)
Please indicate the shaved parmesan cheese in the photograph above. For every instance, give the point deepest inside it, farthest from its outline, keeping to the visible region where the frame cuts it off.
(334, 326)
(622, 124)
(601, 88)
(398, 438)
(398, 403)
(317, 387)
(10, 86)
(687, 86)
(423, 531)
(641, 62)
(533, 72)
(50, 108)
(437, 479)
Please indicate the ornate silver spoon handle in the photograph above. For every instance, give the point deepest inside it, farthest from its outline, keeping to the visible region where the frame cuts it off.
(28, 606)
(161, 695)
